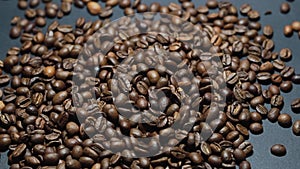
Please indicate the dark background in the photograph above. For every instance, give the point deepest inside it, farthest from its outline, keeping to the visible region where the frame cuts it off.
(273, 133)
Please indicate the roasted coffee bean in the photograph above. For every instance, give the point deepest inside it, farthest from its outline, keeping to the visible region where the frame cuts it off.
(256, 128)
(278, 150)
(296, 25)
(215, 161)
(94, 7)
(124, 3)
(285, 54)
(277, 100)
(296, 79)
(22, 4)
(34, 3)
(288, 30)
(268, 31)
(5, 141)
(287, 72)
(296, 127)
(279, 65)
(284, 7)
(15, 32)
(284, 120)
(245, 8)
(245, 165)
(295, 105)
(196, 158)
(212, 4)
(286, 86)
(273, 114)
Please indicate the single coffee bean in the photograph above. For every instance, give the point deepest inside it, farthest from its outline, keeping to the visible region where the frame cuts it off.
(296, 25)
(22, 4)
(286, 86)
(273, 114)
(285, 54)
(245, 8)
(253, 15)
(285, 7)
(296, 79)
(212, 4)
(124, 4)
(268, 31)
(256, 128)
(287, 72)
(288, 30)
(94, 7)
(5, 141)
(245, 165)
(49, 71)
(296, 127)
(196, 158)
(295, 105)
(278, 150)
(34, 3)
(285, 120)
(153, 76)
(15, 32)
(72, 128)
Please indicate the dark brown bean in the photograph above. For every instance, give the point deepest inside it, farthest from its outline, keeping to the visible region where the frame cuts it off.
(278, 150)
(296, 127)
(285, 120)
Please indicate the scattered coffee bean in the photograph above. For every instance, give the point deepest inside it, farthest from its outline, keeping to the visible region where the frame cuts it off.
(288, 30)
(268, 31)
(296, 127)
(295, 105)
(285, 7)
(278, 150)
(296, 25)
(94, 7)
(285, 120)
(285, 54)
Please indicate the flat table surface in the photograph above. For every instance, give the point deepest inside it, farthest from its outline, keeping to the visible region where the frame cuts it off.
(273, 133)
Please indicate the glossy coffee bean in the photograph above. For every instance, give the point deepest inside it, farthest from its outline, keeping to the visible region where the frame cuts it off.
(278, 150)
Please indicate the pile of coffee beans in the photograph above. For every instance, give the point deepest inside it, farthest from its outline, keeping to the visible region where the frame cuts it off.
(64, 104)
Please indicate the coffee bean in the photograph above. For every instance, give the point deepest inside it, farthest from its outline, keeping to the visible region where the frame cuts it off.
(15, 32)
(268, 31)
(284, 7)
(245, 165)
(286, 86)
(288, 30)
(296, 25)
(278, 150)
(285, 54)
(4, 79)
(94, 7)
(287, 72)
(285, 120)
(256, 128)
(295, 105)
(49, 71)
(296, 79)
(296, 127)
(196, 158)
(34, 3)
(273, 114)
(253, 15)
(22, 4)
(215, 161)
(5, 141)
(212, 4)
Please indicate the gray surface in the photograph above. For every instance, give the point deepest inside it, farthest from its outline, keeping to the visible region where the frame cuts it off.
(261, 159)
